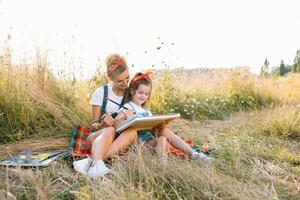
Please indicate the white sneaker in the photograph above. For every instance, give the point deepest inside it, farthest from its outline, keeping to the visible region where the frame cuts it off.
(82, 166)
(201, 156)
(98, 170)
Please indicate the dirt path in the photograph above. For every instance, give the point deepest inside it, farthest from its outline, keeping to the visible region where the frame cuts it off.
(211, 127)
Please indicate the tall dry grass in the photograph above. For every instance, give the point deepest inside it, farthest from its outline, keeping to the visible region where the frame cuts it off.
(256, 150)
(248, 164)
(284, 89)
(35, 103)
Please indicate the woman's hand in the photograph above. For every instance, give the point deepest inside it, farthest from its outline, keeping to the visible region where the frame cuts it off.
(107, 120)
(96, 126)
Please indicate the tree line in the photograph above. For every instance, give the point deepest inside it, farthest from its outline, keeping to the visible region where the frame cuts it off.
(282, 69)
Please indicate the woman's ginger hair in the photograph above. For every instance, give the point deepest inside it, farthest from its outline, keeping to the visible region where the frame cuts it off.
(115, 64)
(138, 79)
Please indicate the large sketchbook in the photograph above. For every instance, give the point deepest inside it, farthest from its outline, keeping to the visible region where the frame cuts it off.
(146, 123)
(31, 159)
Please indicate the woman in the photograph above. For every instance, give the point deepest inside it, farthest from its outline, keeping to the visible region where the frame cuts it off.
(105, 143)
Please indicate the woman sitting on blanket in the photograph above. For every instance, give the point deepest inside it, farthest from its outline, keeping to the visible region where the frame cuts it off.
(137, 99)
(105, 143)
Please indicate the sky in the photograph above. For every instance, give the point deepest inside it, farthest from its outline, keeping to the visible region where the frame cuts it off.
(76, 34)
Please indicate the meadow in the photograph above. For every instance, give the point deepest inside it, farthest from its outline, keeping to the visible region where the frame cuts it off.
(251, 123)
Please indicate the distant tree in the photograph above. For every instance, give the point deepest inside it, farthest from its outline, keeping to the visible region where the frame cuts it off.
(266, 64)
(296, 67)
(264, 71)
(282, 68)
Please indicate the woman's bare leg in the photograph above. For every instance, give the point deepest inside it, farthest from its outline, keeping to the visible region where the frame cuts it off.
(102, 143)
(122, 143)
(175, 140)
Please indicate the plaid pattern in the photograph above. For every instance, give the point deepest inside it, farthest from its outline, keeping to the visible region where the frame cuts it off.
(77, 146)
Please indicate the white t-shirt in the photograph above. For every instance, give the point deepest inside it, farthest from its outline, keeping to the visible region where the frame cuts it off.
(139, 110)
(98, 96)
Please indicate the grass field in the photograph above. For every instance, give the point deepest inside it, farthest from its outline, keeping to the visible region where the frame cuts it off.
(251, 123)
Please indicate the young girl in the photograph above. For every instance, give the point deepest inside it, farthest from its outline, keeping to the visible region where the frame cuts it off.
(137, 99)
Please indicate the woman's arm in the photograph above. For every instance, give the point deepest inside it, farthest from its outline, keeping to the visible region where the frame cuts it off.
(96, 112)
(105, 122)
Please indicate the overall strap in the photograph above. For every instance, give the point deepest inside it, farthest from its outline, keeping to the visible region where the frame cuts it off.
(104, 102)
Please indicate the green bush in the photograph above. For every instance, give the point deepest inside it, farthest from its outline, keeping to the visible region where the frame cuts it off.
(168, 97)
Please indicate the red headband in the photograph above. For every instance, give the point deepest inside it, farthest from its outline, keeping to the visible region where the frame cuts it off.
(118, 64)
(142, 76)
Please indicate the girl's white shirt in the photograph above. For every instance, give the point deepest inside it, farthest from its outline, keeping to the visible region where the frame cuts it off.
(138, 109)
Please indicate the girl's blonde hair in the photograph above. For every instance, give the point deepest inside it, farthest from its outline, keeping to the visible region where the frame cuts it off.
(115, 64)
(138, 79)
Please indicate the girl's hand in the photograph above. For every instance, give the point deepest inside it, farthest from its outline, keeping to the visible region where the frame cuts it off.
(127, 113)
(107, 120)
(160, 127)
(123, 115)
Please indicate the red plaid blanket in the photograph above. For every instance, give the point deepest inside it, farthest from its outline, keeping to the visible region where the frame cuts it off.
(77, 147)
